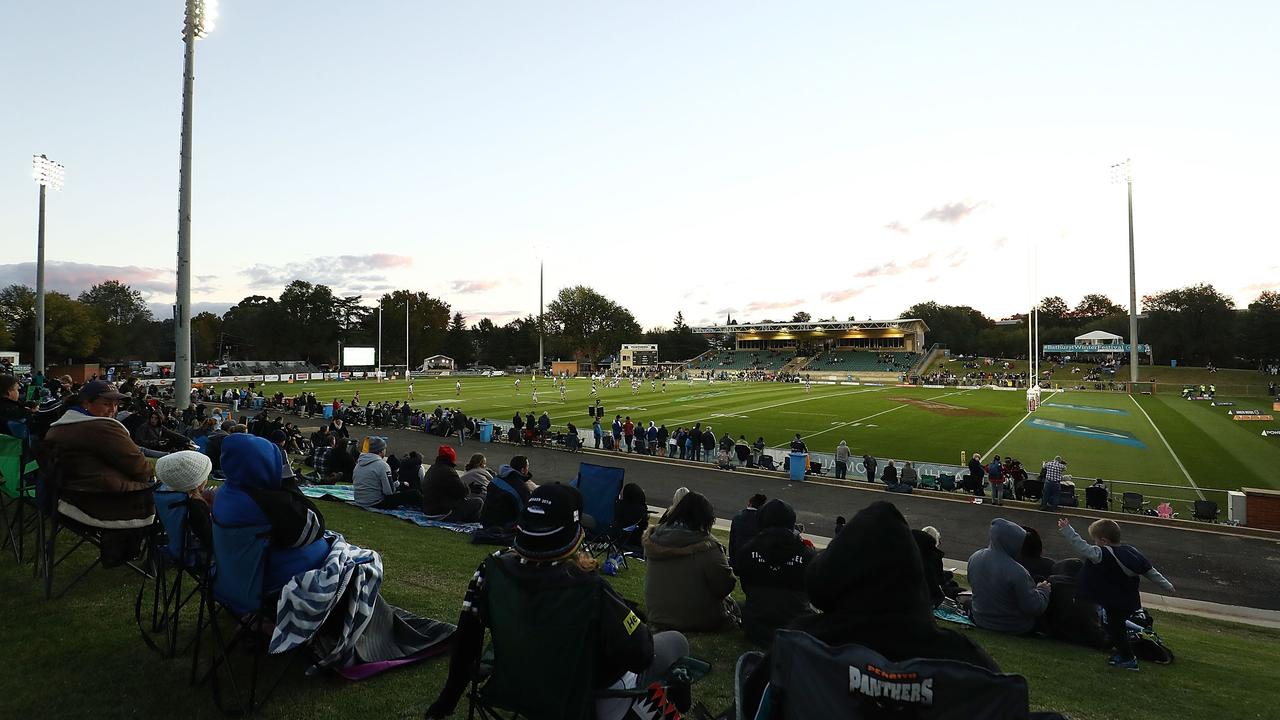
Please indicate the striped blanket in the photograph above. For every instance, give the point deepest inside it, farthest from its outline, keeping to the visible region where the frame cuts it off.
(348, 582)
(417, 517)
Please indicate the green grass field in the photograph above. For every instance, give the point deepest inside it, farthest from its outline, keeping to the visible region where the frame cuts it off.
(81, 656)
(1100, 434)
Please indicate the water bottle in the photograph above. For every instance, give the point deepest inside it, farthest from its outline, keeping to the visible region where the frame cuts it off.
(610, 566)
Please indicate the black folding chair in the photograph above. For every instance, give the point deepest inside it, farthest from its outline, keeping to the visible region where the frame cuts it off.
(1132, 502)
(1205, 511)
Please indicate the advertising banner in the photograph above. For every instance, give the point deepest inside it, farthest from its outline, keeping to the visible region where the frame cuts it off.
(1267, 418)
(271, 378)
(344, 376)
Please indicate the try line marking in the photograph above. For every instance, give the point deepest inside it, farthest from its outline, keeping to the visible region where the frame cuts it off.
(1015, 427)
(1160, 435)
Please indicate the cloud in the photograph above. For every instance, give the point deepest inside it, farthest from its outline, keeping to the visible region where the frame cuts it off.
(464, 287)
(73, 277)
(776, 305)
(336, 271)
(1261, 286)
(836, 296)
(898, 227)
(498, 317)
(951, 213)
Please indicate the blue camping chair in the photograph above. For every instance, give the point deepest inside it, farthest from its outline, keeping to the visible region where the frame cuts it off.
(177, 558)
(601, 487)
(17, 489)
(235, 587)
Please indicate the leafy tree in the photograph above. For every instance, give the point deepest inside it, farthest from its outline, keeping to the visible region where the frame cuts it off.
(1054, 309)
(115, 303)
(428, 326)
(206, 336)
(458, 342)
(312, 325)
(1094, 305)
(801, 317)
(1261, 327)
(253, 329)
(72, 332)
(128, 331)
(1194, 324)
(956, 326)
(590, 323)
(17, 316)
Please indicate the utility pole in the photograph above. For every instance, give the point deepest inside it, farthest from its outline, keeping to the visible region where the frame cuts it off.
(1123, 172)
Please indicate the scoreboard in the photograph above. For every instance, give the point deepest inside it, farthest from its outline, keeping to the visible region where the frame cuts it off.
(638, 356)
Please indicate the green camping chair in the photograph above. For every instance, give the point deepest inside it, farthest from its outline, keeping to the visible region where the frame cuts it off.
(17, 492)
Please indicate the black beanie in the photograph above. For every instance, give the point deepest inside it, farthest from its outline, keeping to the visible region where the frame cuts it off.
(872, 566)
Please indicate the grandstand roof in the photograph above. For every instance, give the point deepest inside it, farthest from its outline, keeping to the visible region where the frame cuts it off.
(820, 326)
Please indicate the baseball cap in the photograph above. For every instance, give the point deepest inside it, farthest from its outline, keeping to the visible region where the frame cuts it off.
(101, 389)
(550, 525)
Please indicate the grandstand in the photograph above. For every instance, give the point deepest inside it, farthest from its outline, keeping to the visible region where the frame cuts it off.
(826, 349)
(267, 367)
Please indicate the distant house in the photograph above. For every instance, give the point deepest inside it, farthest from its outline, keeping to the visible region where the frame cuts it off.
(438, 362)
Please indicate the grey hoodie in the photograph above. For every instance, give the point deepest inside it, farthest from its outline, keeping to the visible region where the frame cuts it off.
(1005, 598)
(371, 480)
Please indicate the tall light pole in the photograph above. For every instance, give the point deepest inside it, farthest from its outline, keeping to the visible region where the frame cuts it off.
(1123, 172)
(48, 174)
(540, 355)
(408, 301)
(199, 21)
(379, 339)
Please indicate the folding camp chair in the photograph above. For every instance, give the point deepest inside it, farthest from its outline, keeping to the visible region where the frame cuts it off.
(1096, 497)
(57, 514)
(601, 487)
(17, 489)
(235, 587)
(1205, 510)
(1132, 502)
(177, 558)
(810, 679)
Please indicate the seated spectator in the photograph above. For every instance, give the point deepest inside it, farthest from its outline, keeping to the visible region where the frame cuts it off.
(444, 496)
(204, 429)
(10, 407)
(909, 475)
(98, 459)
(477, 474)
(373, 484)
(676, 497)
(771, 567)
(1032, 556)
(508, 491)
(214, 448)
(255, 494)
(544, 560)
(1005, 598)
(874, 599)
(631, 510)
(187, 471)
(745, 524)
(689, 580)
(890, 474)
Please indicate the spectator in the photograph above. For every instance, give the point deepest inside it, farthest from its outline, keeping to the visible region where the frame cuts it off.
(616, 430)
(629, 432)
(1005, 598)
(890, 475)
(255, 494)
(676, 497)
(869, 463)
(708, 444)
(689, 580)
(662, 437)
(411, 471)
(597, 432)
(476, 475)
(98, 459)
(544, 427)
(995, 472)
(214, 448)
(1110, 578)
(544, 560)
(771, 568)
(187, 471)
(1052, 473)
(745, 524)
(797, 444)
(444, 495)
(976, 475)
(908, 475)
(507, 494)
(631, 510)
(10, 408)
(842, 460)
(875, 599)
(757, 450)
(928, 541)
(339, 428)
(1032, 555)
(373, 483)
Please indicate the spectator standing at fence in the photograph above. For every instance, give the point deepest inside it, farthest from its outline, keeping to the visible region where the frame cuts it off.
(757, 450)
(842, 460)
(869, 463)
(995, 472)
(708, 444)
(597, 432)
(976, 474)
(1053, 471)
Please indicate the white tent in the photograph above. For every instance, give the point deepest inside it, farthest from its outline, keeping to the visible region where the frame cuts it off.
(1099, 337)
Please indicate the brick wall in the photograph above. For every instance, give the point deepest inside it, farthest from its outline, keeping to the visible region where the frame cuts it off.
(1262, 509)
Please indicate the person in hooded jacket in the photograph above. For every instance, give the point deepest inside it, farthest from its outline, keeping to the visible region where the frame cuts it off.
(444, 496)
(508, 492)
(689, 580)
(771, 568)
(874, 599)
(255, 494)
(477, 474)
(1032, 556)
(372, 483)
(631, 510)
(411, 471)
(1005, 598)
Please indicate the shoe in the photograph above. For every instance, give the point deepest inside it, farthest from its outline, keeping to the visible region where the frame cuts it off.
(1130, 664)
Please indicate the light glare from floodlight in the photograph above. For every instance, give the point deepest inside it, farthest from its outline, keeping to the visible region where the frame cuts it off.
(1122, 172)
(47, 172)
(202, 16)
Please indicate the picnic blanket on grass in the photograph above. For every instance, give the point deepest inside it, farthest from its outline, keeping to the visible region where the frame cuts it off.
(338, 607)
(345, 493)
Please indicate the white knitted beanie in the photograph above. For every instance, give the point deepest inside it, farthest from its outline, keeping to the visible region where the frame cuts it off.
(183, 471)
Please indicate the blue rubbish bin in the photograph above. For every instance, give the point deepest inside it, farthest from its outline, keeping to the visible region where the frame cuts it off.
(486, 431)
(797, 464)
(328, 412)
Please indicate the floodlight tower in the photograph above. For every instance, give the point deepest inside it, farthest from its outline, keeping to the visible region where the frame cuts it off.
(1123, 172)
(200, 18)
(48, 174)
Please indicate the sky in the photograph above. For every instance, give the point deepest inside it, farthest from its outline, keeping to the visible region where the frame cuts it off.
(846, 159)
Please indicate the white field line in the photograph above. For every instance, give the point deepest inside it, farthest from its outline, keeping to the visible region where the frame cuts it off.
(1015, 427)
(882, 412)
(808, 398)
(1160, 435)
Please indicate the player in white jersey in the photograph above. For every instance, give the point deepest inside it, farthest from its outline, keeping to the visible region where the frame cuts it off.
(457, 388)
(653, 385)
(410, 389)
(517, 386)
(664, 385)
(562, 391)
(534, 395)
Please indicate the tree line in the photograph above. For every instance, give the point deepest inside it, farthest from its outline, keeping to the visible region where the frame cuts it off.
(110, 322)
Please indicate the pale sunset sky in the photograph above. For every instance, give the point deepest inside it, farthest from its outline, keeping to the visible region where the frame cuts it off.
(759, 158)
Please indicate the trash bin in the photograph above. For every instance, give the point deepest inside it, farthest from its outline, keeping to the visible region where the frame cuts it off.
(797, 465)
(328, 412)
(486, 431)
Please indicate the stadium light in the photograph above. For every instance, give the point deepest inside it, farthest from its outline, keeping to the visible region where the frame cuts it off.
(200, 18)
(1123, 172)
(47, 174)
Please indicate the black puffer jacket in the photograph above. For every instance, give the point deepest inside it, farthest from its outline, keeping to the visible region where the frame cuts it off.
(771, 569)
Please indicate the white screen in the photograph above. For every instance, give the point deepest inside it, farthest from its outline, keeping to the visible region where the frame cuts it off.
(358, 357)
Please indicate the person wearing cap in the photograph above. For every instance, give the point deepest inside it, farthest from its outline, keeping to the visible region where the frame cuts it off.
(444, 496)
(875, 599)
(771, 569)
(373, 484)
(98, 459)
(544, 561)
